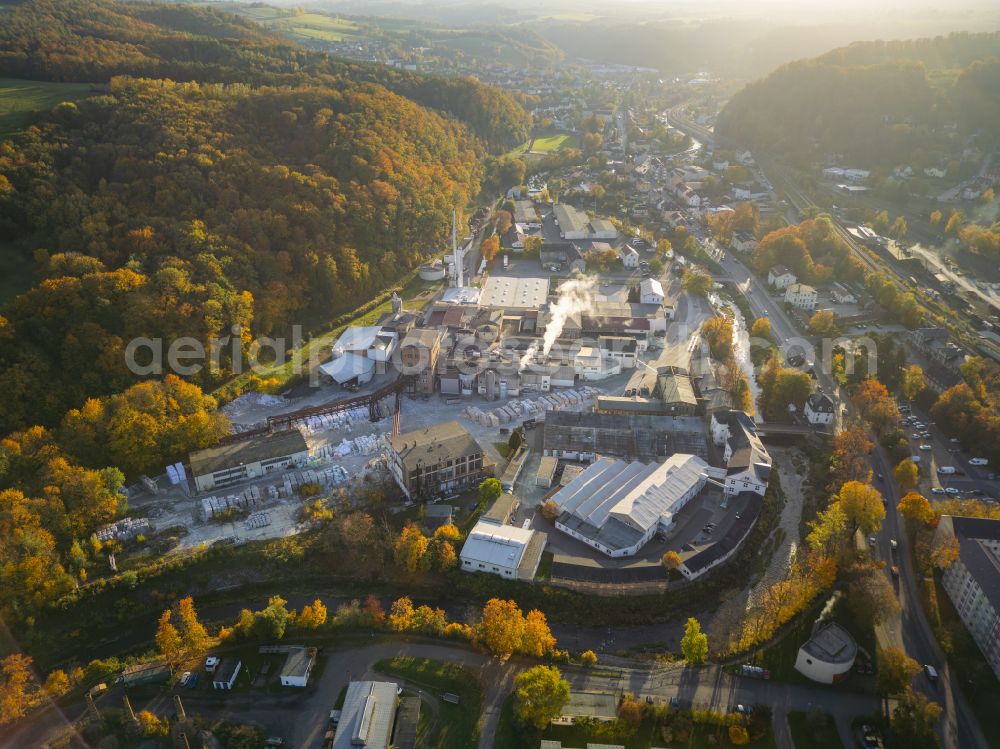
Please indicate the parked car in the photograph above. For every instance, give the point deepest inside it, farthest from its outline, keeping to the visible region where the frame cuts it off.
(952, 491)
(872, 540)
(937, 490)
(185, 678)
(194, 679)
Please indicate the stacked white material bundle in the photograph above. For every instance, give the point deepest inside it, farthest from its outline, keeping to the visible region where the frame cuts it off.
(124, 530)
(258, 520)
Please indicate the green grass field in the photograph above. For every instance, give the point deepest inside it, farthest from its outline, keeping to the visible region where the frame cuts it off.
(454, 726)
(550, 143)
(544, 145)
(20, 100)
(317, 26)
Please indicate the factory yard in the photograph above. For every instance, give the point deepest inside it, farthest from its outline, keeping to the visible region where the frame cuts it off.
(344, 450)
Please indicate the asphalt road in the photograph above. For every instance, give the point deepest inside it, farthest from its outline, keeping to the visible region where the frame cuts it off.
(301, 717)
(910, 630)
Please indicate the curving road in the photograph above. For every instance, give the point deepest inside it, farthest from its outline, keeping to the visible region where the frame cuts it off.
(301, 717)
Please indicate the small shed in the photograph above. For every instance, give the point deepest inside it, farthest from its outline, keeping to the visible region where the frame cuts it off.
(298, 666)
(225, 675)
(546, 471)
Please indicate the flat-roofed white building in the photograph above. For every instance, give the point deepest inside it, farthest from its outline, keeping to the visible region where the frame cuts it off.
(505, 550)
(616, 506)
(298, 666)
(515, 293)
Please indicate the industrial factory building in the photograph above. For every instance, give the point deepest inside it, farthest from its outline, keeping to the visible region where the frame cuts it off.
(575, 224)
(577, 436)
(441, 460)
(665, 391)
(509, 551)
(616, 506)
(247, 459)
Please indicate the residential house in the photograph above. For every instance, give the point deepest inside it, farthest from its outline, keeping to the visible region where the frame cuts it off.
(298, 666)
(748, 464)
(225, 675)
(801, 295)
(780, 277)
(629, 256)
(820, 409)
(651, 291)
(743, 241)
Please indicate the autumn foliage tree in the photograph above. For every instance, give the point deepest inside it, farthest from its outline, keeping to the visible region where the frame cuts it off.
(876, 406)
(895, 670)
(671, 560)
(849, 457)
(17, 687)
(944, 551)
(167, 638)
(410, 549)
(694, 643)
(540, 693)
(502, 627)
(862, 504)
(915, 507)
(312, 616)
(906, 474)
(914, 382)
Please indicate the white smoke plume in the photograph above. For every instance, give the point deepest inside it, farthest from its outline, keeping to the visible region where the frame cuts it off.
(575, 296)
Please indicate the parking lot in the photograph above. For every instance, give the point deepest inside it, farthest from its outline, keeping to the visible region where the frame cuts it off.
(937, 450)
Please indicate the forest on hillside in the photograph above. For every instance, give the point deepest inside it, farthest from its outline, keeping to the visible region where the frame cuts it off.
(224, 178)
(94, 40)
(217, 177)
(874, 103)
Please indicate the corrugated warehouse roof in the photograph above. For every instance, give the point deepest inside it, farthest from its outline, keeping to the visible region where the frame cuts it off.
(367, 716)
(637, 494)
